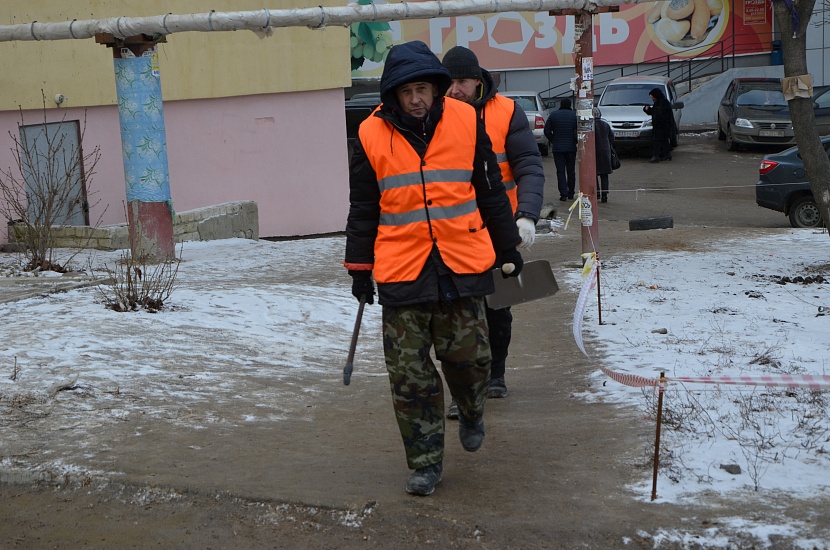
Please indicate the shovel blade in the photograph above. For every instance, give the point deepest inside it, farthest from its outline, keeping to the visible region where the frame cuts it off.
(534, 282)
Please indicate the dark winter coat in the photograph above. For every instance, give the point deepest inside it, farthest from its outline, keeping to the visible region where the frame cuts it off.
(661, 116)
(436, 281)
(603, 139)
(560, 129)
(522, 153)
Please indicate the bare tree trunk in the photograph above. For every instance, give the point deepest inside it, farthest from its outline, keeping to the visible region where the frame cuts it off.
(794, 43)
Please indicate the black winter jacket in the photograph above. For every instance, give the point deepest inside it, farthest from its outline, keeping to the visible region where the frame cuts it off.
(662, 117)
(560, 129)
(604, 140)
(436, 281)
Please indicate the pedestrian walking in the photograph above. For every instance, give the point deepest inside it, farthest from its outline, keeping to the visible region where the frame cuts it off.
(604, 142)
(661, 125)
(522, 173)
(423, 182)
(560, 129)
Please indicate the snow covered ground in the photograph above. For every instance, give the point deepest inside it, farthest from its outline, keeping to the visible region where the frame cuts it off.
(723, 315)
(687, 314)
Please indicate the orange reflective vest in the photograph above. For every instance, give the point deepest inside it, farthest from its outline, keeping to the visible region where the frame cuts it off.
(497, 113)
(429, 200)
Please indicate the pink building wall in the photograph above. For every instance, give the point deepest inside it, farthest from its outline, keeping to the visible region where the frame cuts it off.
(285, 151)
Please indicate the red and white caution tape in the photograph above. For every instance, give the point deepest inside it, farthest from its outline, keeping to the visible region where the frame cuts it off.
(632, 380)
(589, 274)
(812, 381)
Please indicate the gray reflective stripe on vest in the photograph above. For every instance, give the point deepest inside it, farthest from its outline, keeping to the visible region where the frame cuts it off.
(501, 157)
(509, 184)
(430, 176)
(435, 213)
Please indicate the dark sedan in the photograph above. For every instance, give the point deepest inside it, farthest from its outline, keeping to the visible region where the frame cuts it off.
(753, 111)
(782, 186)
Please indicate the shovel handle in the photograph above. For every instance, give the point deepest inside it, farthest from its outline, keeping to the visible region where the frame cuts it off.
(347, 370)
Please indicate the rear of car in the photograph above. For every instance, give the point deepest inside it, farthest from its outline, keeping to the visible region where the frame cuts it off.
(782, 186)
(622, 102)
(533, 106)
(358, 108)
(753, 111)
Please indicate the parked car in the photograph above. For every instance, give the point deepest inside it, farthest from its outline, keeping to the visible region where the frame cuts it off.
(358, 107)
(782, 186)
(622, 102)
(821, 110)
(753, 111)
(537, 114)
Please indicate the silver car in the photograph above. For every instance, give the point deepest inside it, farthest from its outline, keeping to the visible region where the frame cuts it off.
(622, 103)
(533, 106)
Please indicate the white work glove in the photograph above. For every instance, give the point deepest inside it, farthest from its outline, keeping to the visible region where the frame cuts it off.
(527, 231)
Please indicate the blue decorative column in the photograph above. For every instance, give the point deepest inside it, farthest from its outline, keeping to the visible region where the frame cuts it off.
(143, 146)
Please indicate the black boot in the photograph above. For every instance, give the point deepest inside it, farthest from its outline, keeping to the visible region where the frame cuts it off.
(422, 482)
(470, 432)
(604, 198)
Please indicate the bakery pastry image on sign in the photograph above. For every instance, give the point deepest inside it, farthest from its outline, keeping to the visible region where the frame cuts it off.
(682, 24)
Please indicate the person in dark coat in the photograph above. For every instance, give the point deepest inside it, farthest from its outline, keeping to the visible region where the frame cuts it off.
(522, 173)
(428, 215)
(604, 140)
(560, 129)
(661, 125)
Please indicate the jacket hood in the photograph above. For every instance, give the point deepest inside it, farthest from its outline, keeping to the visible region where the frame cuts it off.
(412, 62)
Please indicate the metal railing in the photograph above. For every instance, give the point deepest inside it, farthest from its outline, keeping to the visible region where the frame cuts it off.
(713, 59)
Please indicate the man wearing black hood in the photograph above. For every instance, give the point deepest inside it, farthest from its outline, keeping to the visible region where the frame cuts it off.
(428, 213)
(521, 172)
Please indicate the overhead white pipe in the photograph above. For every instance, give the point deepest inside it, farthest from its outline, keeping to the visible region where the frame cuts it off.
(265, 20)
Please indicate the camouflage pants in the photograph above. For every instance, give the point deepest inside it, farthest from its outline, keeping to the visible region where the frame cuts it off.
(458, 332)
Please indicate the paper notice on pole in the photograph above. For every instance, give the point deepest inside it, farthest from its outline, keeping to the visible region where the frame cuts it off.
(587, 68)
(586, 212)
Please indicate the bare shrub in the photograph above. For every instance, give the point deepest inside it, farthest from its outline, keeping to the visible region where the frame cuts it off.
(38, 195)
(135, 283)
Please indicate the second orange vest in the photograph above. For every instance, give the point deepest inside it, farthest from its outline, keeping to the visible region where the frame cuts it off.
(497, 113)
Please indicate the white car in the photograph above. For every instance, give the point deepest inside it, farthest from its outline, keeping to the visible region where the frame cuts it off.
(622, 102)
(533, 106)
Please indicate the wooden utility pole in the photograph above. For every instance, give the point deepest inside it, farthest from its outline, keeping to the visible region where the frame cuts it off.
(584, 104)
(586, 150)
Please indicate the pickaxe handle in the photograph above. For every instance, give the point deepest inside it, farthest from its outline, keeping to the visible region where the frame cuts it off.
(347, 370)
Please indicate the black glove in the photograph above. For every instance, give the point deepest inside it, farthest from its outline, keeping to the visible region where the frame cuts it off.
(362, 285)
(511, 256)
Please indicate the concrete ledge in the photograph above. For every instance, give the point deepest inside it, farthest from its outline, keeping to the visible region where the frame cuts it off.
(230, 220)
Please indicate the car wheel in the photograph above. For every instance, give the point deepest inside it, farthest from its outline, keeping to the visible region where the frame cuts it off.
(805, 213)
(721, 135)
(731, 144)
(543, 149)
